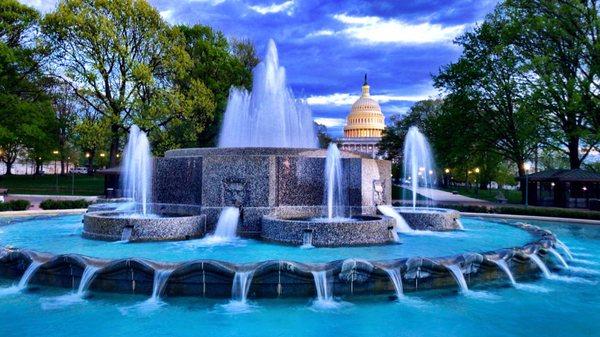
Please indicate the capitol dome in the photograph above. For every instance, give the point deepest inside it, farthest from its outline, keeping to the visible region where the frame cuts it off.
(365, 119)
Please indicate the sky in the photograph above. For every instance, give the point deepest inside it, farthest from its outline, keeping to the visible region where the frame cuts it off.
(327, 46)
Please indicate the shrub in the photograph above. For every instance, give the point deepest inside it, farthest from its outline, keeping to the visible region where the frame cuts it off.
(64, 204)
(14, 205)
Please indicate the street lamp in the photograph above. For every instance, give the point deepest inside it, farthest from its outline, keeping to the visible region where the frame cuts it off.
(55, 152)
(526, 167)
(476, 184)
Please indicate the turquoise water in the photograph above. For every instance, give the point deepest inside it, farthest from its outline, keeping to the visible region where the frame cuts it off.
(63, 235)
(563, 306)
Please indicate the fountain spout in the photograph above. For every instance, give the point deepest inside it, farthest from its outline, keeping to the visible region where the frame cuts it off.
(269, 116)
(136, 170)
(418, 164)
(335, 196)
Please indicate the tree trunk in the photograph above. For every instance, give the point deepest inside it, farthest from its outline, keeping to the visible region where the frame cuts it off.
(114, 145)
(574, 152)
(8, 168)
(62, 166)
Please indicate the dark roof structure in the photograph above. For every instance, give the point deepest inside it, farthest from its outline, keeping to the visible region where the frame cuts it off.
(565, 175)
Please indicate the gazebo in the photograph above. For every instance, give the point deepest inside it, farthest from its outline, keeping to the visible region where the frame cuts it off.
(562, 188)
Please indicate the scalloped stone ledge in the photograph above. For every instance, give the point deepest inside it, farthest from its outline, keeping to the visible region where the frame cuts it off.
(210, 278)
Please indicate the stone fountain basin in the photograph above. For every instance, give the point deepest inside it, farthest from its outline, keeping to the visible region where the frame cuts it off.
(430, 218)
(354, 231)
(168, 223)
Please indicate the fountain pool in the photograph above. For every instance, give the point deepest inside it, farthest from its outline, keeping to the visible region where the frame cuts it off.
(565, 306)
(61, 235)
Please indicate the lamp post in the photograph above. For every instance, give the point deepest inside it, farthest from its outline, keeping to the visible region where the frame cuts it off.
(476, 178)
(526, 167)
(55, 153)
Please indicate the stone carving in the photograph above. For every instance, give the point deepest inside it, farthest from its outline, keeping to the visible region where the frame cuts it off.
(234, 192)
(379, 192)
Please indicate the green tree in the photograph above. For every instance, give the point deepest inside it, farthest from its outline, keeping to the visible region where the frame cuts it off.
(92, 135)
(489, 84)
(217, 66)
(122, 59)
(322, 135)
(25, 109)
(419, 115)
(560, 42)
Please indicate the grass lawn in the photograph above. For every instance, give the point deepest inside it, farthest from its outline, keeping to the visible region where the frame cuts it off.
(46, 184)
(514, 197)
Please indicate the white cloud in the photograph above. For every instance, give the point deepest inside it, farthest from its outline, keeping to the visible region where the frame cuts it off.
(372, 29)
(341, 99)
(330, 122)
(324, 32)
(167, 15)
(43, 6)
(287, 7)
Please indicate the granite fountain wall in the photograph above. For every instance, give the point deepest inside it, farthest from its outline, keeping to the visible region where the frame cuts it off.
(261, 180)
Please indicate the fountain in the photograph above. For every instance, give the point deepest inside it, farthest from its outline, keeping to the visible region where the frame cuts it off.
(241, 285)
(335, 196)
(161, 276)
(558, 257)
(136, 171)
(139, 219)
(28, 274)
(418, 164)
(502, 265)
(419, 178)
(227, 224)
(325, 298)
(396, 279)
(89, 273)
(540, 264)
(565, 249)
(457, 273)
(269, 116)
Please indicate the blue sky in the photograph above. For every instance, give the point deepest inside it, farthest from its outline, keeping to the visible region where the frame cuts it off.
(327, 46)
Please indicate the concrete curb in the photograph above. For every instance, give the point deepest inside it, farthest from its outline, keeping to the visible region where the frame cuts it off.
(43, 212)
(532, 217)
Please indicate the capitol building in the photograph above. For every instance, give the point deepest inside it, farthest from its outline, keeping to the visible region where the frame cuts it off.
(364, 125)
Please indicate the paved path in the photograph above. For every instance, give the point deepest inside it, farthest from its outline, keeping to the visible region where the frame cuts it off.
(443, 196)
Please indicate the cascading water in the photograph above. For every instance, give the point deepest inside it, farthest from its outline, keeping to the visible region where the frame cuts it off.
(161, 276)
(24, 281)
(269, 116)
(418, 163)
(28, 274)
(136, 170)
(558, 257)
(241, 285)
(504, 267)
(540, 264)
(565, 249)
(459, 277)
(307, 237)
(89, 273)
(401, 225)
(396, 279)
(335, 196)
(324, 293)
(228, 223)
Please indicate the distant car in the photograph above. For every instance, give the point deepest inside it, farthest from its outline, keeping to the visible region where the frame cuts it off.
(79, 170)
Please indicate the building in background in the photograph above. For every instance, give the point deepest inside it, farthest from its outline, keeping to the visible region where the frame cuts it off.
(364, 125)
